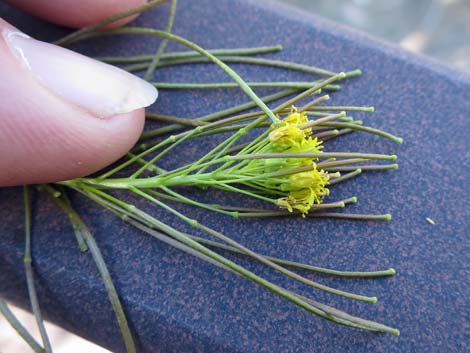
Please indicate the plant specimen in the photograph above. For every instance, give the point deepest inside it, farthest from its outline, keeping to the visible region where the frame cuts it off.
(276, 155)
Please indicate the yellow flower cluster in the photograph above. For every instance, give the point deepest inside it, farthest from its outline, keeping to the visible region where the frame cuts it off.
(288, 134)
(308, 187)
(305, 190)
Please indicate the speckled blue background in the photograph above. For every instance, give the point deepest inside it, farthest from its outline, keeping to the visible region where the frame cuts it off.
(177, 303)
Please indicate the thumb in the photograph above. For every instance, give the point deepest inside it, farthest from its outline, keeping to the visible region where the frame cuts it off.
(63, 115)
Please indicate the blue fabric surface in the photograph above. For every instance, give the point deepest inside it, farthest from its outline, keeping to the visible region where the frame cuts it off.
(177, 303)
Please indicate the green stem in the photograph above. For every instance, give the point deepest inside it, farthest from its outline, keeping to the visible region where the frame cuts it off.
(353, 321)
(364, 167)
(111, 19)
(173, 119)
(323, 120)
(344, 177)
(27, 260)
(326, 134)
(216, 115)
(312, 90)
(344, 107)
(371, 156)
(80, 226)
(180, 198)
(244, 192)
(19, 328)
(164, 152)
(253, 254)
(56, 193)
(302, 266)
(363, 217)
(190, 54)
(163, 44)
(367, 129)
(242, 60)
(193, 46)
(170, 140)
(314, 102)
(232, 140)
(293, 264)
(339, 133)
(224, 85)
(341, 162)
(173, 178)
(220, 260)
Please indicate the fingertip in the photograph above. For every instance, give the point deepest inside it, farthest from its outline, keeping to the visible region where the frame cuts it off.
(69, 150)
(56, 126)
(77, 14)
(115, 136)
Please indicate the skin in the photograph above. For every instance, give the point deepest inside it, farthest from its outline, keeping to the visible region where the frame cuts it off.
(42, 138)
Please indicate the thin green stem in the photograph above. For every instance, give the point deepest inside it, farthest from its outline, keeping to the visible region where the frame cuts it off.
(111, 19)
(190, 54)
(367, 129)
(345, 318)
(336, 163)
(80, 226)
(217, 115)
(326, 134)
(344, 107)
(174, 178)
(234, 189)
(193, 46)
(371, 156)
(19, 328)
(134, 158)
(253, 254)
(293, 264)
(340, 132)
(233, 139)
(323, 120)
(344, 177)
(220, 260)
(173, 119)
(310, 91)
(164, 152)
(353, 216)
(364, 167)
(27, 260)
(180, 198)
(161, 48)
(314, 102)
(224, 85)
(242, 60)
(302, 266)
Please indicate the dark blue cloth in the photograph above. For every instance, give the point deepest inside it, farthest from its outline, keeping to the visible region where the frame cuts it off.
(177, 303)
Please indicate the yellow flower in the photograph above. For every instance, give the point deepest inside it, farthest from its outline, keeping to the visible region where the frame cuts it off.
(305, 189)
(296, 118)
(287, 135)
(298, 191)
(313, 178)
(301, 201)
(308, 144)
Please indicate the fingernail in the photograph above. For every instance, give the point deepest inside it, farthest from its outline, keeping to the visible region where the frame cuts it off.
(99, 88)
